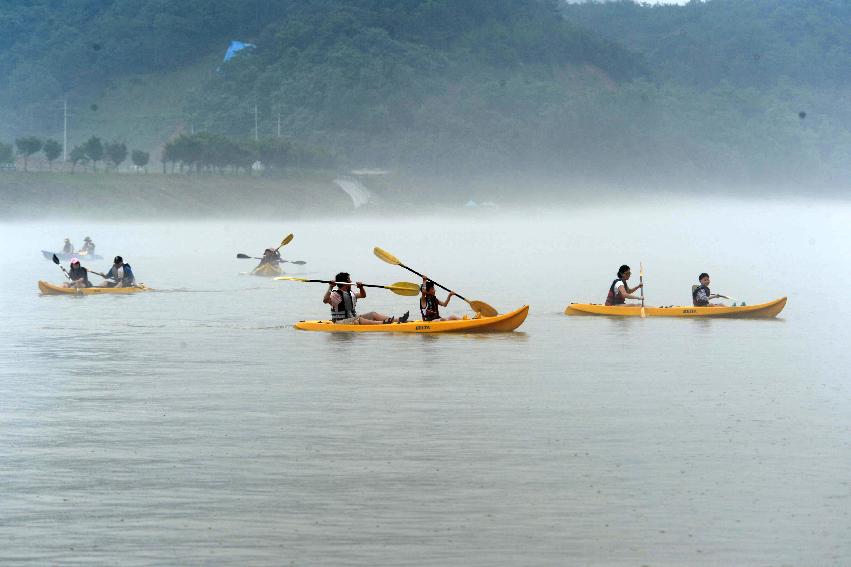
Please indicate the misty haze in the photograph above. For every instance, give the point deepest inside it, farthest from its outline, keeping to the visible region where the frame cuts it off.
(604, 249)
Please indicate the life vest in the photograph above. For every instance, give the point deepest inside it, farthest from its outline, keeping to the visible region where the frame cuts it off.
(80, 274)
(700, 302)
(346, 308)
(431, 310)
(614, 298)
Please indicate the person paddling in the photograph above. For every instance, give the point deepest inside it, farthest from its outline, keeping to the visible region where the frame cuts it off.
(121, 274)
(271, 257)
(430, 304)
(68, 248)
(619, 291)
(701, 294)
(343, 302)
(78, 275)
(88, 247)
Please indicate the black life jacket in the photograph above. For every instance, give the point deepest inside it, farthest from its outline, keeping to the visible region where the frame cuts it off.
(431, 311)
(79, 273)
(695, 301)
(346, 308)
(614, 298)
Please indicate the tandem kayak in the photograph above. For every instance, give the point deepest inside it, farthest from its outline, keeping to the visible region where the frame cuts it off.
(53, 289)
(499, 324)
(266, 271)
(65, 257)
(761, 311)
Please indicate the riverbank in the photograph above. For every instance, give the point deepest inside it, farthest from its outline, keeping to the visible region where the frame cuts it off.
(32, 195)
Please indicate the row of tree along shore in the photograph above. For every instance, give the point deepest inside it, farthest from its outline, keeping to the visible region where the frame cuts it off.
(196, 153)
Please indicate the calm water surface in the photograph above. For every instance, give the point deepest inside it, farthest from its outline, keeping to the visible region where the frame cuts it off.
(196, 426)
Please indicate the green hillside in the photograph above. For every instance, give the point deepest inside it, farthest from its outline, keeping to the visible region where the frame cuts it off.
(748, 43)
(724, 91)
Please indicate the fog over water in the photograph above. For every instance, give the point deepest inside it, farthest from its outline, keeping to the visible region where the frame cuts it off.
(196, 426)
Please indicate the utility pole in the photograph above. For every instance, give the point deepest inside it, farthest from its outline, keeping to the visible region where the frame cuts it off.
(256, 137)
(65, 132)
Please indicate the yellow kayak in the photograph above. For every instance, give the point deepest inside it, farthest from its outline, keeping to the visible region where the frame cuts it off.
(267, 271)
(51, 289)
(761, 311)
(499, 324)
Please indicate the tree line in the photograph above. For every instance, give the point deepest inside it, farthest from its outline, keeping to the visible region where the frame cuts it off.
(91, 152)
(195, 153)
(213, 153)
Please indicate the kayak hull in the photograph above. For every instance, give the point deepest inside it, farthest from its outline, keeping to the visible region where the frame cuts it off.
(65, 257)
(504, 323)
(266, 271)
(52, 289)
(761, 311)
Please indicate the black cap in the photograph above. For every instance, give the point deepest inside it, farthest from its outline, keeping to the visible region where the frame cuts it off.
(118, 259)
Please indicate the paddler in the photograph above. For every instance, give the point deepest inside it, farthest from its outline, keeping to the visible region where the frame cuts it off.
(121, 274)
(619, 291)
(343, 302)
(701, 294)
(430, 304)
(78, 275)
(88, 246)
(68, 248)
(271, 257)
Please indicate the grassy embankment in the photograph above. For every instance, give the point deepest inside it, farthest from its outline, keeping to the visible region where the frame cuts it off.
(94, 195)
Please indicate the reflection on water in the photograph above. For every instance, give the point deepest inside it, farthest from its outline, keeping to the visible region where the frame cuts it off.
(200, 427)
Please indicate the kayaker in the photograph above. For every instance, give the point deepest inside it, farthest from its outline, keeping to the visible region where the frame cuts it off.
(430, 304)
(343, 302)
(270, 256)
(68, 248)
(78, 275)
(700, 295)
(121, 274)
(619, 291)
(88, 246)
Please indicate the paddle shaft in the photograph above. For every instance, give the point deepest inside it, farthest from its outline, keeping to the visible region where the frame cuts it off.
(346, 283)
(459, 296)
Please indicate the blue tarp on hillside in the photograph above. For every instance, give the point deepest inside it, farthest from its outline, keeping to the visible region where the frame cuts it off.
(236, 47)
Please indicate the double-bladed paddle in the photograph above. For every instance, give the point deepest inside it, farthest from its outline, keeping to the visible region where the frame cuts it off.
(286, 240)
(399, 288)
(478, 306)
(56, 261)
(641, 281)
(247, 257)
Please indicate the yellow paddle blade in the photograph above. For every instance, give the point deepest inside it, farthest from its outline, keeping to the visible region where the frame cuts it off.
(483, 308)
(287, 239)
(290, 279)
(640, 269)
(405, 288)
(386, 256)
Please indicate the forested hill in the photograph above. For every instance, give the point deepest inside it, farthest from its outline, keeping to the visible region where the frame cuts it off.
(718, 91)
(751, 43)
(388, 82)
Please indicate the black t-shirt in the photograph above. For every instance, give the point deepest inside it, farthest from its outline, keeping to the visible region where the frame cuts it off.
(79, 273)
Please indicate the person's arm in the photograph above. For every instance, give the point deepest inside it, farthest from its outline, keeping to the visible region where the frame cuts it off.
(327, 297)
(634, 289)
(448, 297)
(627, 293)
(361, 290)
